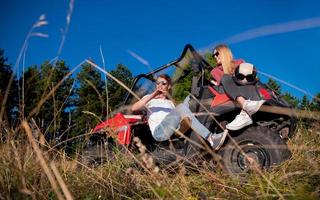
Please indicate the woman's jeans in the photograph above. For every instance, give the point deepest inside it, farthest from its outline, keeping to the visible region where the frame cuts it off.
(171, 122)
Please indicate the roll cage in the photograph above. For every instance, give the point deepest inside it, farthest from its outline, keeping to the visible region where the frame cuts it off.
(190, 62)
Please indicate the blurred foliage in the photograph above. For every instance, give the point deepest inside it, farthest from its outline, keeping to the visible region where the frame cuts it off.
(182, 87)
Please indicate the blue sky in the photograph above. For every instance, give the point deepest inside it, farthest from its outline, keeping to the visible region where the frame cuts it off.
(280, 37)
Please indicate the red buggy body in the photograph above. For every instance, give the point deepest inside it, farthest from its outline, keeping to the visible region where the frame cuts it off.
(122, 125)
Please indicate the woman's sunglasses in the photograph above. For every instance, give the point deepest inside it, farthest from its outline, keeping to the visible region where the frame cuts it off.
(161, 82)
(216, 54)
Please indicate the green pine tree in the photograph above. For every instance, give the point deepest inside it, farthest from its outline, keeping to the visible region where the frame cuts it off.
(116, 93)
(52, 116)
(291, 99)
(304, 104)
(89, 103)
(11, 104)
(274, 86)
(315, 103)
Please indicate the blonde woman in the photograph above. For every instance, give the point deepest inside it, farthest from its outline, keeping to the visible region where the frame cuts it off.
(225, 63)
(245, 95)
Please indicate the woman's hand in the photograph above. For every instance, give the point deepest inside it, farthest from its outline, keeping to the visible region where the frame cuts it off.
(158, 93)
(213, 82)
(142, 102)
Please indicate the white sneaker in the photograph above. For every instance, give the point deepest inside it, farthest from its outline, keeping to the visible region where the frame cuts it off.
(241, 120)
(216, 140)
(252, 106)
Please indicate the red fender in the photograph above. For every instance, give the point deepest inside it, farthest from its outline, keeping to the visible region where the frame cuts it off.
(219, 98)
(121, 124)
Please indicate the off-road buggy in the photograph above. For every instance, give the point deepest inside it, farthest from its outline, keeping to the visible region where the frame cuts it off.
(263, 142)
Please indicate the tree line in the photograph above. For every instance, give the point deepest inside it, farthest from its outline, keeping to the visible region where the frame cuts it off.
(81, 101)
(75, 107)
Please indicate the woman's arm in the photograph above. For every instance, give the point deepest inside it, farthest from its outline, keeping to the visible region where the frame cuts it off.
(142, 102)
(217, 74)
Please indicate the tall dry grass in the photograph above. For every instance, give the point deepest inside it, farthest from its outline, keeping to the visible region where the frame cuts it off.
(31, 170)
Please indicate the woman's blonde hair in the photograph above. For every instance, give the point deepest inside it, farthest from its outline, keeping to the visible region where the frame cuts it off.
(226, 58)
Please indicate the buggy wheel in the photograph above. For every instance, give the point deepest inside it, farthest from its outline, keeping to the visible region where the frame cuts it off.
(259, 148)
(97, 151)
(94, 156)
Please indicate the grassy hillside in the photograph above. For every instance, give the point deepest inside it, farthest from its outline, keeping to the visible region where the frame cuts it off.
(31, 173)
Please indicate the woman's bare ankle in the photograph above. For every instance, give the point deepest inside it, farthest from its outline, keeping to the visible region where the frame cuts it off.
(241, 101)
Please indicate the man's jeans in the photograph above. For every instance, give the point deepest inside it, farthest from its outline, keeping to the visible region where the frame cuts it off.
(172, 122)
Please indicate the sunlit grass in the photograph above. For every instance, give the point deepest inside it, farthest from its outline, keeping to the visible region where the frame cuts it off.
(126, 176)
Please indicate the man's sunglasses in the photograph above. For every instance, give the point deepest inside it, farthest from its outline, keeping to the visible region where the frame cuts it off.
(161, 82)
(249, 77)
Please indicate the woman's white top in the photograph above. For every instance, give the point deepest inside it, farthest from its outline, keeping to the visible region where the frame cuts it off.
(158, 109)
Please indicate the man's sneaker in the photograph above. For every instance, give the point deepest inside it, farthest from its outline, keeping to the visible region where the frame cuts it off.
(252, 106)
(216, 140)
(241, 120)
